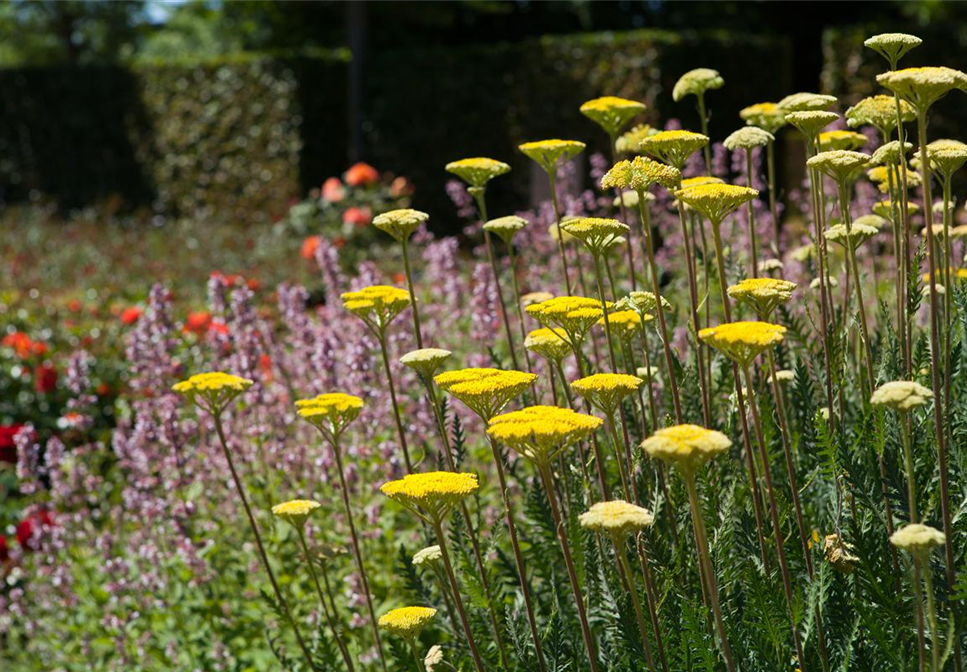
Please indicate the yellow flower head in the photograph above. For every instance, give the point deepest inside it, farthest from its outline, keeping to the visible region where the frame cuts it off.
(946, 157)
(716, 201)
(425, 361)
(626, 323)
(857, 235)
(839, 164)
(696, 83)
(748, 138)
(922, 87)
(531, 298)
(762, 294)
(506, 228)
(841, 140)
(611, 113)
(617, 518)
(901, 395)
(606, 390)
(892, 46)
(645, 302)
(400, 223)
(630, 199)
(548, 153)
(596, 233)
(639, 174)
(484, 391)
(551, 344)
(805, 102)
(296, 511)
(331, 412)
(212, 391)
(885, 209)
(875, 221)
(811, 122)
(918, 539)
(673, 147)
(427, 556)
(888, 154)
(742, 342)
(540, 433)
(766, 116)
(406, 622)
(879, 112)
(700, 181)
(477, 172)
(431, 495)
(769, 265)
(377, 305)
(574, 314)
(687, 447)
(628, 142)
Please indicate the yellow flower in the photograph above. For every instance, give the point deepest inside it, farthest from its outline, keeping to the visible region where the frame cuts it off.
(875, 221)
(630, 199)
(716, 201)
(377, 305)
(427, 556)
(296, 511)
(606, 390)
(841, 140)
(766, 116)
(839, 164)
(839, 554)
(628, 142)
(687, 447)
(574, 314)
(611, 113)
(805, 102)
(811, 122)
(551, 344)
(700, 181)
(484, 391)
(406, 622)
(769, 265)
(548, 153)
(889, 153)
(477, 172)
(617, 518)
(673, 147)
(626, 323)
(743, 341)
(645, 302)
(885, 209)
(879, 112)
(596, 233)
(901, 395)
(918, 539)
(531, 298)
(748, 137)
(946, 157)
(858, 234)
(762, 294)
(639, 174)
(400, 223)
(922, 87)
(892, 46)
(540, 433)
(696, 82)
(331, 412)
(212, 391)
(425, 361)
(434, 493)
(506, 228)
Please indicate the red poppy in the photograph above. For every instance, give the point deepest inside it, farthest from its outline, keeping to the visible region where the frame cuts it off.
(45, 378)
(198, 322)
(131, 315)
(357, 216)
(8, 447)
(333, 190)
(361, 174)
(309, 247)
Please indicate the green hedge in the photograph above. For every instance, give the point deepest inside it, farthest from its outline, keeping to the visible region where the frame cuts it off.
(241, 137)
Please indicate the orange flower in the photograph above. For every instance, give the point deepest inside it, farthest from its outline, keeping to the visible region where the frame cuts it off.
(309, 247)
(361, 174)
(253, 284)
(130, 315)
(198, 323)
(333, 190)
(74, 305)
(357, 216)
(400, 187)
(23, 345)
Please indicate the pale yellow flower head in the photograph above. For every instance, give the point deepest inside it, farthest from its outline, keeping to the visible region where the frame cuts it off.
(477, 172)
(428, 556)
(431, 495)
(918, 539)
(700, 181)
(639, 174)
(630, 199)
(596, 233)
(331, 412)
(892, 46)
(548, 153)
(687, 447)
(425, 361)
(212, 391)
(626, 324)
(879, 112)
(742, 342)
(541, 433)
(506, 228)
(616, 518)
(766, 116)
(484, 391)
(627, 142)
(805, 102)
(839, 164)
(377, 305)
(901, 395)
(606, 390)
(922, 87)
(748, 138)
(551, 344)
(531, 298)
(762, 294)
(400, 223)
(673, 147)
(811, 122)
(645, 302)
(769, 265)
(885, 209)
(716, 201)
(296, 512)
(946, 157)
(875, 221)
(696, 82)
(406, 622)
(574, 314)
(612, 113)
(857, 235)
(889, 153)
(841, 140)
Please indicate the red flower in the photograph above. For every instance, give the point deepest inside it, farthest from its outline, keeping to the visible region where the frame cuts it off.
(332, 190)
(131, 315)
(27, 529)
(4, 552)
(218, 328)
(74, 305)
(45, 378)
(309, 247)
(23, 345)
(198, 322)
(253, 284)
(357, 216)
(8, 447)
(361, 174)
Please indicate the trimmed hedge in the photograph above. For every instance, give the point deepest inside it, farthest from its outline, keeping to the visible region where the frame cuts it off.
(241, 137)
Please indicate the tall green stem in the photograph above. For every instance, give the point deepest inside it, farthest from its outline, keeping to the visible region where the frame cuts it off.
(322, 601)
(455, 588)
(552, 178)
(752, 235)
(635, 600)
(413, 303)
(381, 337)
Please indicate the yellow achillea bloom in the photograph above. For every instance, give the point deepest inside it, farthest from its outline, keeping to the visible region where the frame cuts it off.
(769, 265)
(811, 122)
(901, 395)
(431, 495)
(885, 209)
(766, 116)
(626, 323)
(644, 302)
(477, 172)
(212, 391)
(839, 164)
(597, 233)
(400, 223)
(687, 447)
(673, 147)
(628, 142)
(540, 433)
(506, 228)
(748, 137)
(425, 361)
(805, 102)
(639, 174)
(922, 87)
(296, 511)
(377, 305)
(611, 113)
(892, 46)
(427, 556)
(550, 344)
(857, 235)
(548, 153)
(616, 518)
(762, 294)
(716, 201)
(331, 412)
(406, 622)
(889, 153)
(700, 181)
(696, 82)
(841, 140)
(531, 298)
(743, 341)
(485, 391)
(918, 539)
(879, 112)
(606, 390)
(875, 221)
(574, 314)
(946, 157)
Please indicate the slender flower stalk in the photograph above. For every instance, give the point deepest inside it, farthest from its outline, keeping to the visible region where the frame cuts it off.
(920, 540)
(769, 118)
(401, 224)
(696, 83)
(747, 139)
